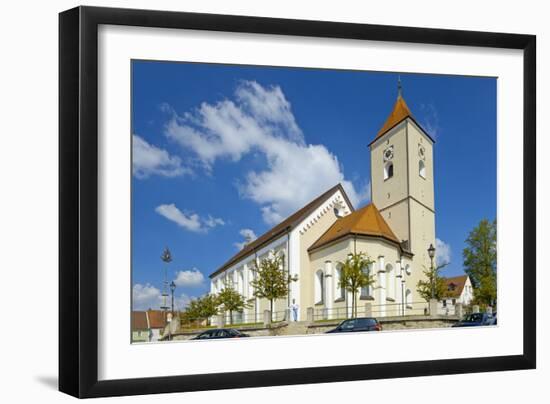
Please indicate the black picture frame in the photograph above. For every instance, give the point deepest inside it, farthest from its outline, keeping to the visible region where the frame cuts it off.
(78, 200)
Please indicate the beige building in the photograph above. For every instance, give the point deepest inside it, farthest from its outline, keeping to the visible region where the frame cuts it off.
(394, 230)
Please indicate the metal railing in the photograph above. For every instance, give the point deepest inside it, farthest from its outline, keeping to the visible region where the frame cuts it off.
(375, 310)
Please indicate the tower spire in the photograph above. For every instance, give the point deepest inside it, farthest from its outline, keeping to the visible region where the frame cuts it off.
(399, 87)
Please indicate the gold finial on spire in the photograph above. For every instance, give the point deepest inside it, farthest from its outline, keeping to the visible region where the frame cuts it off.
(399, 87)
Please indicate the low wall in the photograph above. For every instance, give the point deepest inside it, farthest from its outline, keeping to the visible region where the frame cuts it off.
(275, 329)
(388, 323)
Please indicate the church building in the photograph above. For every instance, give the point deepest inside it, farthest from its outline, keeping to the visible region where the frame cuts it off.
(394, 230)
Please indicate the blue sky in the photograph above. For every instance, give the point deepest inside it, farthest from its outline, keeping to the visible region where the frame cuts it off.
(221, 152)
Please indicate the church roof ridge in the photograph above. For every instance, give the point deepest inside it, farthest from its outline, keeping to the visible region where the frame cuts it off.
(284, 226)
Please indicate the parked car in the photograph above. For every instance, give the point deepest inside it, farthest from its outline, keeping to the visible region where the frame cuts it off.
(493, 321)
(357, 324)
(219, 333)
(476, 319)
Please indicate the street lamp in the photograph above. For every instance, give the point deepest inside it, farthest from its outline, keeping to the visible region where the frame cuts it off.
(172, 289)
(431, 253)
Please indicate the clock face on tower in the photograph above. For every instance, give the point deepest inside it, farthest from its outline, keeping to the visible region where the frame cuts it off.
(421, 152)
(388, 153)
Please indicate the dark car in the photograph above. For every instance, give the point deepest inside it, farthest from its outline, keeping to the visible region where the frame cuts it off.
(357, 324)
(476, 320)
(219, 333)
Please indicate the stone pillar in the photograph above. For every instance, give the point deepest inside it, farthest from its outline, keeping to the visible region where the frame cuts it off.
(267, 318)
(433, 307)
(310, 314)
(475, 308)
(288, 318)
(219, 319)
(397, 308)
(368, 309)
(459, 310)
(381, 286)
(329, 288)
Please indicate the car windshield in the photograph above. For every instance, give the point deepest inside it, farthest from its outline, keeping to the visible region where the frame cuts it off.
(473, 318)
(358, 323)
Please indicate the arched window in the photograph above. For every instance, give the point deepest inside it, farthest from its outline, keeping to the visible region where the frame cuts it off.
(390, 281)
(241, 282)
(367, 290)
(340, 292)
(319, 287)
(388, 170)
(408, 299)
(422, 168)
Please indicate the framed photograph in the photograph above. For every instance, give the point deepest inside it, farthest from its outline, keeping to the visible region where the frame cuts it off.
(251, 201)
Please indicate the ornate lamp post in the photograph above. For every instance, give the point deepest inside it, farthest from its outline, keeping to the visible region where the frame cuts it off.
(172, 289)
(431, 253)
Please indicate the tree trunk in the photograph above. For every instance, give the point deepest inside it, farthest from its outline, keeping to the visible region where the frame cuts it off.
(353, 306)
(271, 309)
(230, 317)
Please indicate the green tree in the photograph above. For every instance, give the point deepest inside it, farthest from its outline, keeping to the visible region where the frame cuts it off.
(230, 300)
(480, 262)
(432, 282)
(201, 308)
(271, 281)
(354, 276)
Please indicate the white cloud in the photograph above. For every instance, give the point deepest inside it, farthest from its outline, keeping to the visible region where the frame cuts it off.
(431, 119)
(248, 235)
(150, 160)
(260, 119)
(442, 252)
(190, 221)
(192, 277)
(214, 221)
(146, 297)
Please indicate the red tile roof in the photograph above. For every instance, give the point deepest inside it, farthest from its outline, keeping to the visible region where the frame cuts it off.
(398, 114)
(156, 318)
(455, 285)
(139, 321)
(366, 221)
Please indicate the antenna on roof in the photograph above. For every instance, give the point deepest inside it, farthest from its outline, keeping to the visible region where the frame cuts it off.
(399, 87)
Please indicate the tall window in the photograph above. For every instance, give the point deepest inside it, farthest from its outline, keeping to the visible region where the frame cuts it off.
(422, 168)
(241, 282)
(390, 281)
(319, 287)
(340, 291)
(388, 170)
(366, 291)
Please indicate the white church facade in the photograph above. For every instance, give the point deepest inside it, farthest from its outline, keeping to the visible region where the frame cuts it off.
(395, 230)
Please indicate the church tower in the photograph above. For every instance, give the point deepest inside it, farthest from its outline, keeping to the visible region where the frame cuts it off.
(402, 183)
